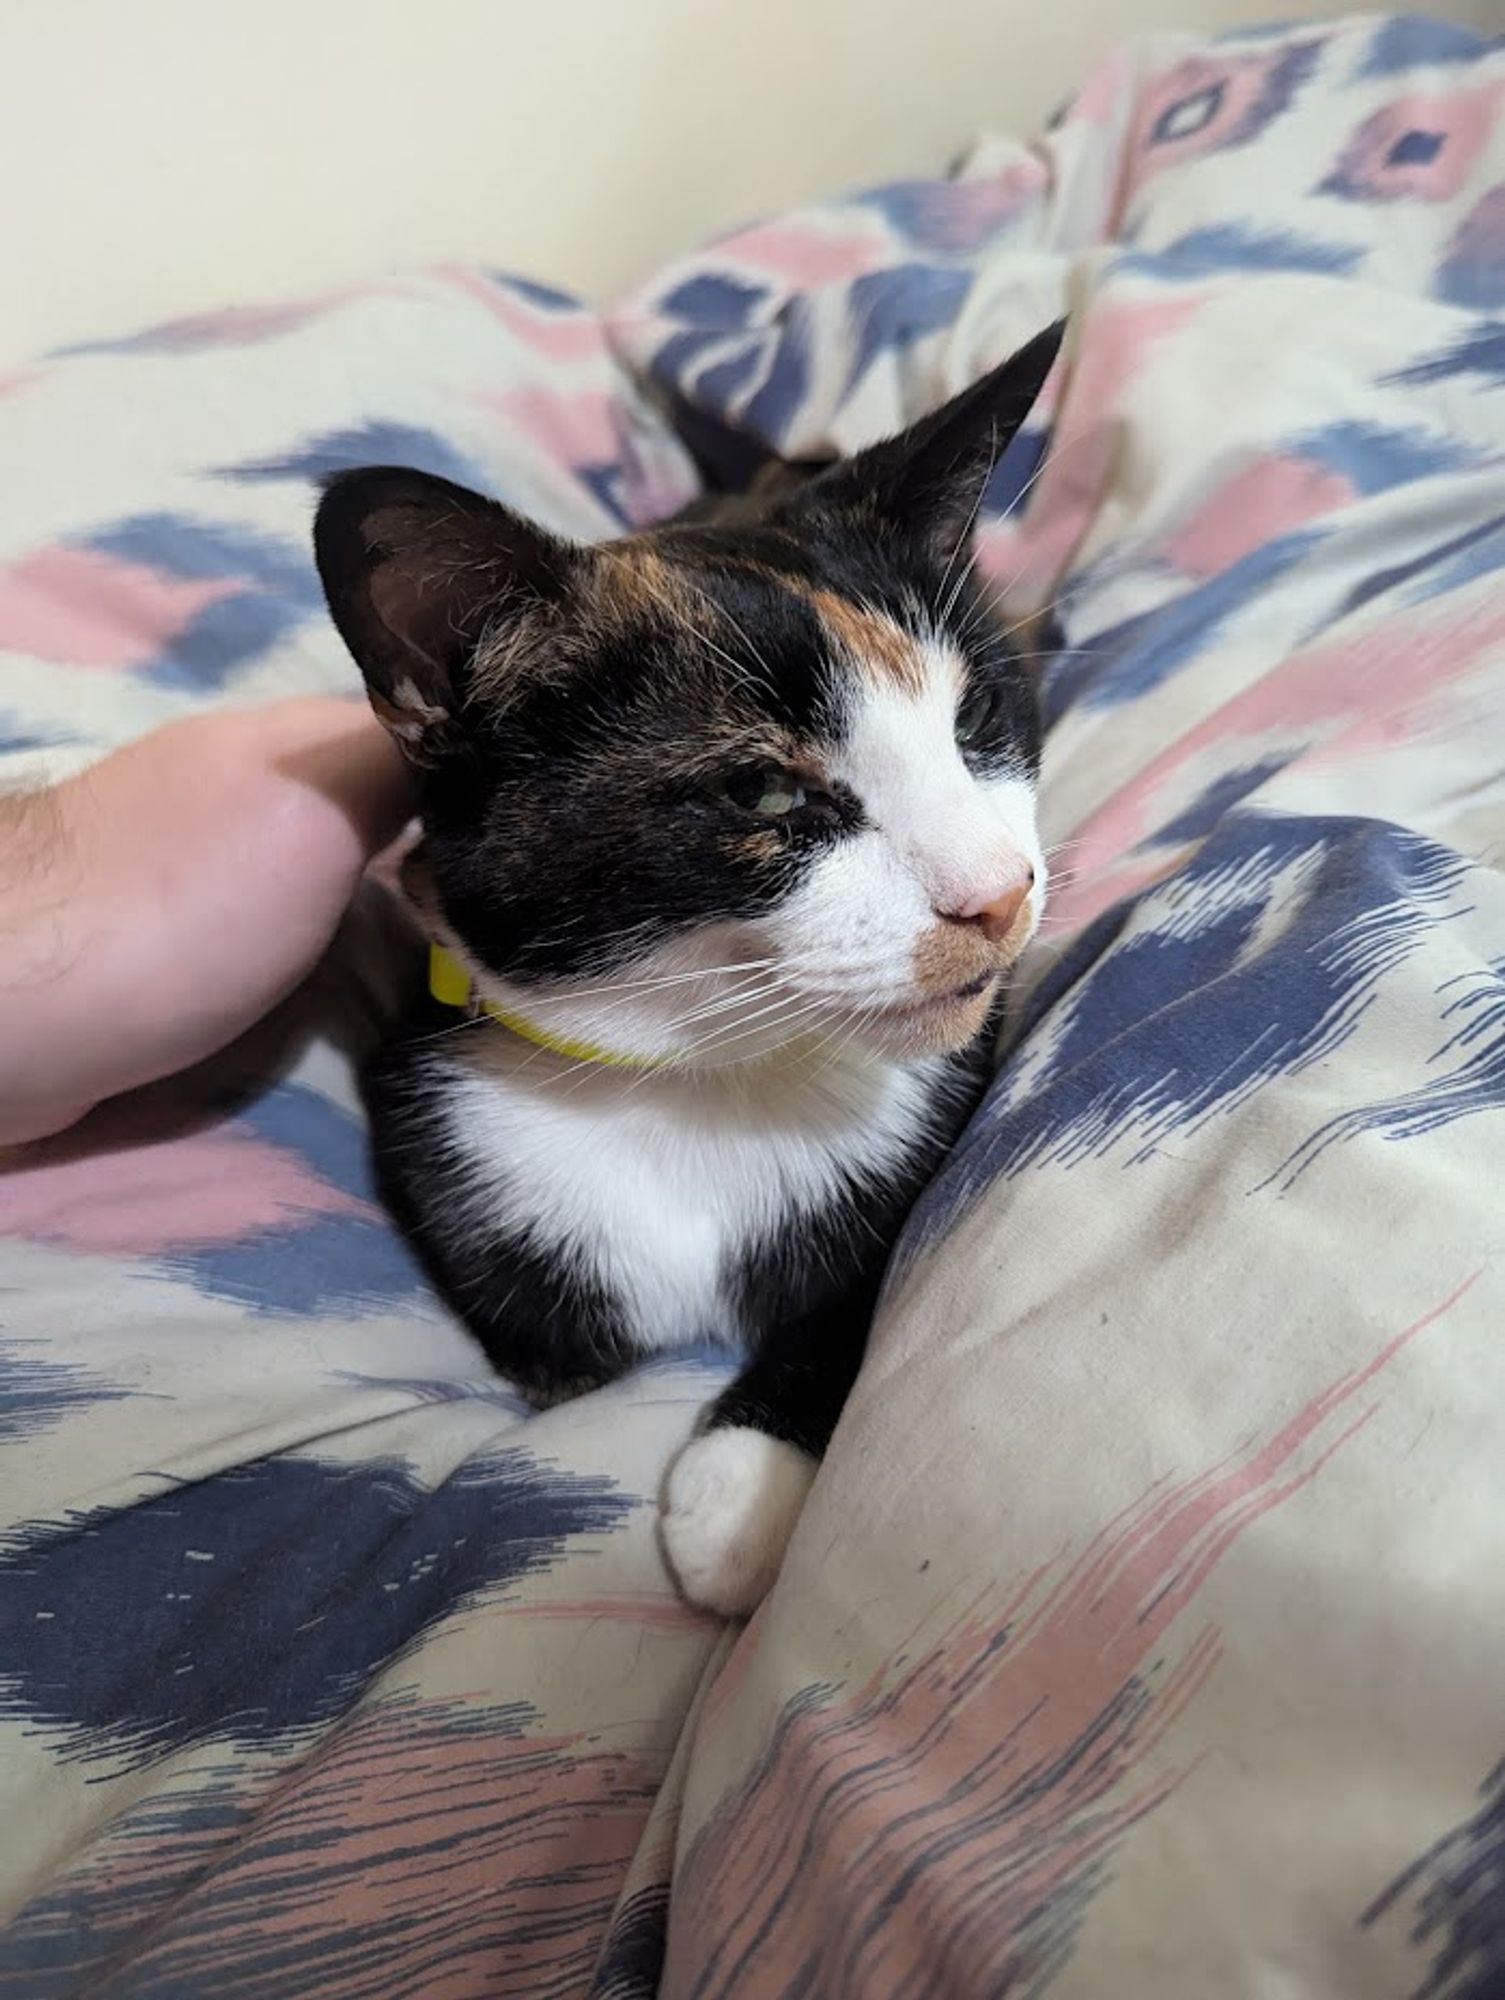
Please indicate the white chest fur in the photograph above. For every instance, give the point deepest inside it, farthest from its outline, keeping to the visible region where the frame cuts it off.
(659, 1183)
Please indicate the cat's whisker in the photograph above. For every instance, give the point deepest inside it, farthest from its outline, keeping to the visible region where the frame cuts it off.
(791, 1007)
(773, 1003)
(451, 1028)
(966, 532)
(1055, 449)
(840, 1035)
(693, 1068)
(661, 982)
(728, 1003)
(988, 608)
(654, 983)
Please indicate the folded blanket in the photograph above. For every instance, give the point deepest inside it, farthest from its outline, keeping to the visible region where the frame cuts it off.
(1142, 1636)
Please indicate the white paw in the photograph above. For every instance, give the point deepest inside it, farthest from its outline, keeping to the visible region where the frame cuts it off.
(730, 1505)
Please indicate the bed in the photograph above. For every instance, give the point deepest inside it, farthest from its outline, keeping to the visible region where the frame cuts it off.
(1143, 1633)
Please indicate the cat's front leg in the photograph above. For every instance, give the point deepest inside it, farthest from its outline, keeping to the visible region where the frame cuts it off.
(734, 1494)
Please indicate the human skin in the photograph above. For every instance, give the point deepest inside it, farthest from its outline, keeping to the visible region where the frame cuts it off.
(158, 904)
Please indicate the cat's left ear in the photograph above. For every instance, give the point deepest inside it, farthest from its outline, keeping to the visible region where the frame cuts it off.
(928, 479)
(417, 572)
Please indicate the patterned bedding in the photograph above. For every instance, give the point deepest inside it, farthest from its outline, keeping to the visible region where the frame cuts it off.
(1144, 1632)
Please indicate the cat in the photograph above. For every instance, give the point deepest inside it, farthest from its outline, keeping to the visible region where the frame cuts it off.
(728, 841)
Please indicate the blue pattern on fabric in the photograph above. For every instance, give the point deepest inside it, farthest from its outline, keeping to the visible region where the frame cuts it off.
(273, 589)
(1478, 350)
(1457, 560)
(17, 734)
(1217, 247)
(772, 406)
(1466, 1075)
(258, 1602)
(1374, 457)
(890, 310)
(716, 302)
(1129, 659)
(313, 1263)
(549, 297)
(1172, 1015)
(1205, 813)
(1411, 41)
(38, 1391)
(319, 458)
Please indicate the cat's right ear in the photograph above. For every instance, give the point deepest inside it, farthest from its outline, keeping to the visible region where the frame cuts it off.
(417, 572)
(928, 480)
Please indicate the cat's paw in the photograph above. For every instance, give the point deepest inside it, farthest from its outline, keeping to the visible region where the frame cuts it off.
(730, 1504)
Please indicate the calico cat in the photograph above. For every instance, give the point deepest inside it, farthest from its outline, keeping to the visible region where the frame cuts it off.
(728, 841)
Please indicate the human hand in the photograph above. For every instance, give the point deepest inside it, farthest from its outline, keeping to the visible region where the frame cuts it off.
(158, 904)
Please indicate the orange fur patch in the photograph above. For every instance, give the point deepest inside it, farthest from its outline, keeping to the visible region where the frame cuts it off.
(874, 644)
(636, 584)
(951, 954)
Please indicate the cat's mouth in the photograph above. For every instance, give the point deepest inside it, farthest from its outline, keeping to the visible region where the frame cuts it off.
(939, 1021)
(938, 1003)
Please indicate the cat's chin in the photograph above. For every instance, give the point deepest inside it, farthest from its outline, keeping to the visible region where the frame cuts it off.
(929, 1027)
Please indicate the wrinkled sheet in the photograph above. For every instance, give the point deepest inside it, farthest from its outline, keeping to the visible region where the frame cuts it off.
(1144, 1632)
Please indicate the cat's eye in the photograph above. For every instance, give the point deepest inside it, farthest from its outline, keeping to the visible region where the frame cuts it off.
(766, 789)
(979, 714)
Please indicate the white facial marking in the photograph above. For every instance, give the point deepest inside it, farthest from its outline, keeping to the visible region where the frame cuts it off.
(942, 840)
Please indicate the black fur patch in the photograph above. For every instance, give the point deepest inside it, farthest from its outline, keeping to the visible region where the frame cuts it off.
(547, 1323)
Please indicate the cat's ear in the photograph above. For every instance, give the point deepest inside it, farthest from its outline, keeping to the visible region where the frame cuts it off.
(928, 480)
(417, 571)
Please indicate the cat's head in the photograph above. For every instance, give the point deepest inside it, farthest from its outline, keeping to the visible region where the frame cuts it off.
(712, 787)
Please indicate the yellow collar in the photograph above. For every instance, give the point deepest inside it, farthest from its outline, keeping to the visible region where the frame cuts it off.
(452, 986)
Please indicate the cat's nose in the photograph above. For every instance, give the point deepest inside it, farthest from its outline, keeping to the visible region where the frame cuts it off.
(995, 911)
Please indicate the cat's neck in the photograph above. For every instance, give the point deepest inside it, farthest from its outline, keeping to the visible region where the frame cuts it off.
(822, 1087)
(759, 1061)
(703, 1019)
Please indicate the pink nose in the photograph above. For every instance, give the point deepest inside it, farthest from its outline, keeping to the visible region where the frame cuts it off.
(996, 911)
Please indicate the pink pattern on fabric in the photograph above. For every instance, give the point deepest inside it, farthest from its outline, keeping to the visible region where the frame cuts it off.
(564, 334)
(141, 1200)
(1473, 268)
(1026, 551)
(1335, 699)
(1209, 102)
(803, 253)
(242, 326)
(1023, 1745)
(571, 427)
(1081, 892)
(437, 1840)
(1100, 99)
(1417, 148)
(87, 609)
(1265, 499)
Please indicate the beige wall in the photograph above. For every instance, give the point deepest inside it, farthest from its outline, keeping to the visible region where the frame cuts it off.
(159, 156)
